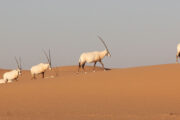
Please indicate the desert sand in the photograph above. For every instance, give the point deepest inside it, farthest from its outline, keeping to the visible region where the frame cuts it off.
(141, 93)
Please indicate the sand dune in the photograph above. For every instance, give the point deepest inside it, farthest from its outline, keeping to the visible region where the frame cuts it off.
(142, 93)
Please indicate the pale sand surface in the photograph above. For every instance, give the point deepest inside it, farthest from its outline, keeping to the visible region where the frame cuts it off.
(142, 93)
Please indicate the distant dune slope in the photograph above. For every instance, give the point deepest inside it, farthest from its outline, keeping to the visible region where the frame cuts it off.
(142, 93)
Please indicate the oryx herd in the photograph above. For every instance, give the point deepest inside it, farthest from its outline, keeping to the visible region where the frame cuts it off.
(89, 57)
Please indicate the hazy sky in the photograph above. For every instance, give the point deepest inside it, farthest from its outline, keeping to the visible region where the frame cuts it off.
(138, 32)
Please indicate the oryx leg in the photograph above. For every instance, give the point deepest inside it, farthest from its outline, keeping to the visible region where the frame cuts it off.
(16, 79)
(94, 66)
(83, 65)
(33, 77)
(102, 64)
(177, 58)
(6, 81)
(42, 74)
(79, 66)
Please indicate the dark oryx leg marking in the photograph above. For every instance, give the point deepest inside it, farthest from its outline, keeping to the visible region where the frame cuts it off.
(83, 66)
(94, 66)
(176, 59)
(42, 74)
(102, 64)
(33, 77)
(79, 66)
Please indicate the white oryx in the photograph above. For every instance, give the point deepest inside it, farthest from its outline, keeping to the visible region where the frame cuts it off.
(178, 53)
(42, 67)
(94, 57)
(12, 75)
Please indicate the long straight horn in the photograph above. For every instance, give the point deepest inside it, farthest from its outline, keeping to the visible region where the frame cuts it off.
(20, 63)
(47, 57)
(103, 43)
(17, 63)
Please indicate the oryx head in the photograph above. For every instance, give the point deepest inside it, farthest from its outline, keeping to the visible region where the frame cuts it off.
(48, 57)
(108, 53)
(19, 65)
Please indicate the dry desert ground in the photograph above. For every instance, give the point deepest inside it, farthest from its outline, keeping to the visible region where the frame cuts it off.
(141, 93)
